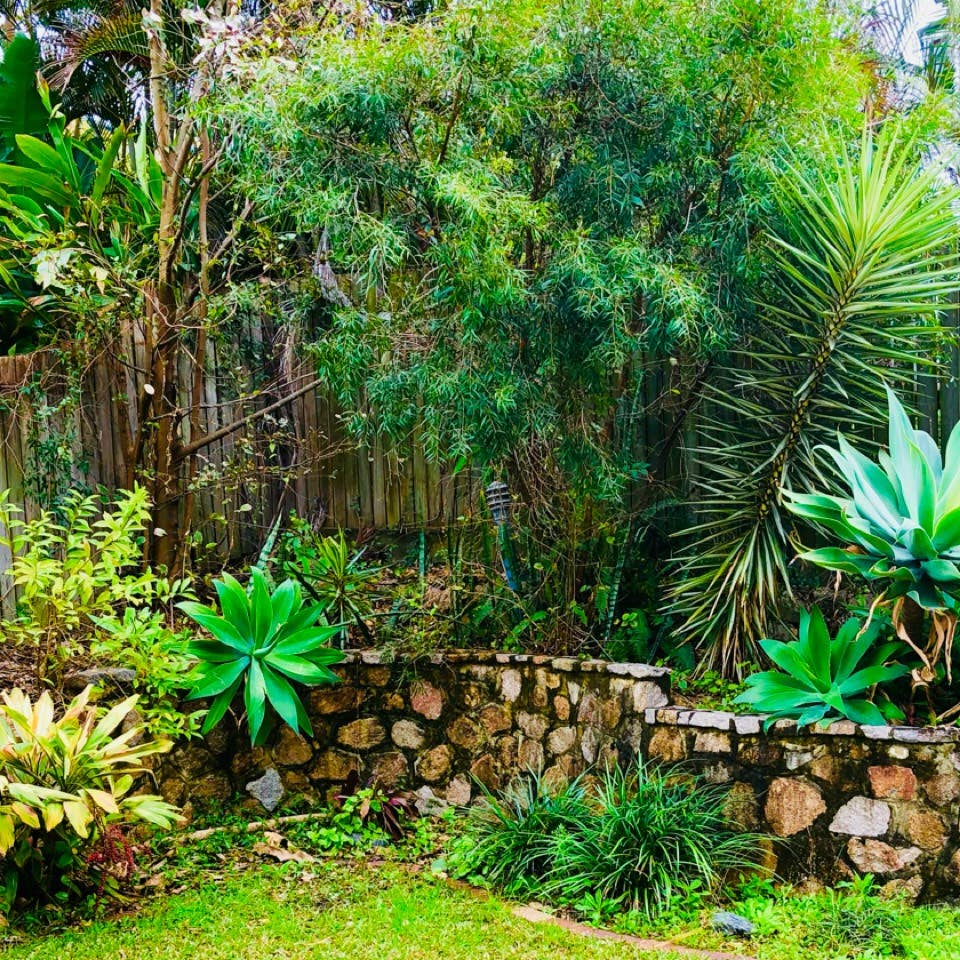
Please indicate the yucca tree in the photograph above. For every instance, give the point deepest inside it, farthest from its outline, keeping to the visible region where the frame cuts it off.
(862, 260)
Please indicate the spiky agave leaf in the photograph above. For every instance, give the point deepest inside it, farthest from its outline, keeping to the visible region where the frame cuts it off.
(861, 276)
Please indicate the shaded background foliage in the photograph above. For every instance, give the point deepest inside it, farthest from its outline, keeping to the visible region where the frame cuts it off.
(532, 240)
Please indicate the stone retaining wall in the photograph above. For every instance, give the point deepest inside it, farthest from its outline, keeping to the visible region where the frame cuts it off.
(880, 800)
(836, 802)
(436, 726)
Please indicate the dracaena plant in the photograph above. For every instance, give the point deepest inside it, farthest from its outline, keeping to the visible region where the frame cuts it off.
(64, 783)
(266, 643)
(901, 527)
(823, 678)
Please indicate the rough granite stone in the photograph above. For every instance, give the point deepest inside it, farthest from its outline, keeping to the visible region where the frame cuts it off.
(610, 713)
(746, 725)
(511, 683)
(924, 828)
(893, 782)
(390, 769)
(589, 712)
(459, 791)
(667, 744)
(338, 699)
(268, 789)
(647, 695)
(426, 700)
(291, 750)
(862, 817)
(875, 856)
(590, 743)
(740, 806)
(531, 755)
(792, 805)
(362, 734)
(708, 741)
(406, 733)
(466, 733)
(533, 725)
(333, 765)
(796, 756)
(943, 789)
(561, 740)
(434, 764)
(495, 718)
(484, 770)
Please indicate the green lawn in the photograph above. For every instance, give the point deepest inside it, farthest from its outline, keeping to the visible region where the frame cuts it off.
(330, 910)
(327, 912)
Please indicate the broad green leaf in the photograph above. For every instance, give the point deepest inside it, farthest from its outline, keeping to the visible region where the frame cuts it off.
(223, 628)
(214, 680)
(282, 697)
(255, 700)
(235, 606)
(261, 608)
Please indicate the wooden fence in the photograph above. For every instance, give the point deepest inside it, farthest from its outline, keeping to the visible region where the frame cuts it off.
(59, 431)
(54, 434)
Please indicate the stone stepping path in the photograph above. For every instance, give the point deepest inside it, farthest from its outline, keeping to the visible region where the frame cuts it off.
(535, 915)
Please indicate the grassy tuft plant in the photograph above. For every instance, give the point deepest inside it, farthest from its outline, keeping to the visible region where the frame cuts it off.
(508, 841)
(638, 837)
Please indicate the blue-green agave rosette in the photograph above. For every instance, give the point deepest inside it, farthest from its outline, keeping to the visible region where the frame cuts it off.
(902, 518)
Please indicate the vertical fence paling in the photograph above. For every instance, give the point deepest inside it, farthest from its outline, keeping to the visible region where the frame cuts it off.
(313, 469)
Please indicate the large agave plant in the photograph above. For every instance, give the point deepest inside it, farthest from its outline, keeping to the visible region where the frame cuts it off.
(860, 278)
(901, 524)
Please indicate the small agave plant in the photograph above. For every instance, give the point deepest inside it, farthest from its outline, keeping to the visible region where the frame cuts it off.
(265, 643)
(901, 524)
(823, 678)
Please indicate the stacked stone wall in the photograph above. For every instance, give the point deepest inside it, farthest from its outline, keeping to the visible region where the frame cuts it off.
(836, 802)
(829, 803)
(440, 727)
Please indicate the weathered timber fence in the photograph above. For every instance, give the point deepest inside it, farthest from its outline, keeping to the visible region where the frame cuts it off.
(61, 430)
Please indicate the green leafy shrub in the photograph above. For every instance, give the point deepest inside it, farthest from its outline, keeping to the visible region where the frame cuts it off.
(901, 524)
(636, 837)
(64, 783)
(74, 572)
(508, 840)
(262, 641)
(823, 678)
(141, 639)
(83, 562)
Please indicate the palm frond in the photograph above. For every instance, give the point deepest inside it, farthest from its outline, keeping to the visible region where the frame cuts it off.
(862, 271)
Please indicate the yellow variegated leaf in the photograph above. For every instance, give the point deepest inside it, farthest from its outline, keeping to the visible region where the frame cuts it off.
(52, 815)
(42, 718)
(26, 814)
(104, 800)
(7, 833)
(79, 816)
(115, 716)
